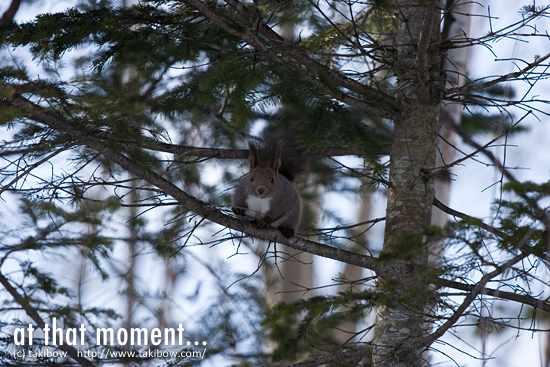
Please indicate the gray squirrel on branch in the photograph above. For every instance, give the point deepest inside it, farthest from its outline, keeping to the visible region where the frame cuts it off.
(266, 196)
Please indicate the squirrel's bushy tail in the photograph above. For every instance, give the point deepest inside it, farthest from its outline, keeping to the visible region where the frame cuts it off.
(292, 159)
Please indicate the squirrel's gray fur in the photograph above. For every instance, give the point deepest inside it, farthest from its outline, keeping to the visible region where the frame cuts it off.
(266, 195)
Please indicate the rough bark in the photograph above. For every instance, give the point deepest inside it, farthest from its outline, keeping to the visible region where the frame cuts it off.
(411, 189)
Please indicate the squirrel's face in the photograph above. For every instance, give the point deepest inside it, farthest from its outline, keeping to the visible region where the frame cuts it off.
(263, 181)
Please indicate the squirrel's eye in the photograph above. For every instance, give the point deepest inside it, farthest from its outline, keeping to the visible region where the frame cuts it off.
(272, 180)
(251, 178)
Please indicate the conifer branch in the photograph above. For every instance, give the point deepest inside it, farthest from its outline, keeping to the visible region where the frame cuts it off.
(374, 98)
(209, 212)
(354, 355)
(33, 314)
(219, 153)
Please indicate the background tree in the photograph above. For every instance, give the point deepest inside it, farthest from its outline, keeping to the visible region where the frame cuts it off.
(213, 74)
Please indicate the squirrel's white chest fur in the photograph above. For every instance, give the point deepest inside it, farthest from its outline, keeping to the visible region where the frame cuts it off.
(257, 208)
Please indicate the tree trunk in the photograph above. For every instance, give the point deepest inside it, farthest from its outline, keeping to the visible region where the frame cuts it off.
(399, 323)
(454, 65)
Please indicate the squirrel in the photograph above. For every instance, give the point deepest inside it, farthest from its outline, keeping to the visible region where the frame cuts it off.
(267, 194)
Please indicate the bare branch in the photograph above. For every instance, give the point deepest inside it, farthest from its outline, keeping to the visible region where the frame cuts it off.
(478, 289)
(10, 13)
(505, 172)
(438, 204)
(31, 167)
(481, 148)
(472, 87)
(522, 298)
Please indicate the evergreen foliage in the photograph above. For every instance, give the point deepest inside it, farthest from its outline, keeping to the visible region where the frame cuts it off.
(128, 142)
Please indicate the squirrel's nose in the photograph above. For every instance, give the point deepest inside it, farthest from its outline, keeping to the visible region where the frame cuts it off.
(261, 190)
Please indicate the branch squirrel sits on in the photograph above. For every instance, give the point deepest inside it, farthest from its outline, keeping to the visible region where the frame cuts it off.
(266, 195)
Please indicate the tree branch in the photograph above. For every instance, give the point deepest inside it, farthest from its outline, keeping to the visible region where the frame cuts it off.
(506, 173)
(10, 13)
(376, 98)
(203, 209)
(478, 222)
(346, 355)
(476, 290)
(479, 148)
(31, 167)
(522, 298)
(471, 87)
(33, 314)
(236, 153)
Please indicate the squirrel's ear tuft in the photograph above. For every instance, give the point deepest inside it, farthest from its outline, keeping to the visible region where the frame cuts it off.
(273, 152)
(276, 164)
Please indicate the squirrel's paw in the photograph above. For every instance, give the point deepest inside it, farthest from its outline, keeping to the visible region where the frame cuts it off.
(287, 232)
(263, 223)
(239, 211)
